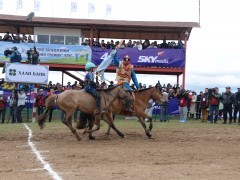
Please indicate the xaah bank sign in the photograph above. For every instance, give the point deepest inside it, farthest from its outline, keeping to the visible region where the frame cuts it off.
(26, 73)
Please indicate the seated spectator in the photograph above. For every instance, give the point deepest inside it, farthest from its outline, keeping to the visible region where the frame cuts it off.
(138, 46)
(7, 37)
(103, 45)
(1, 38)
(179, 44)
(96, 43)
(129, 44)
(123, 45)
(108, 45)
(152, 45)
(24, 39)
(69, 86)
(164, 44)
(30, 39)
(16, 38)
(145, 44)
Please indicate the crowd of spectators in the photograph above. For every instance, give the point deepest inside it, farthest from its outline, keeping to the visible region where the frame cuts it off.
(16, 38)
(139, 44)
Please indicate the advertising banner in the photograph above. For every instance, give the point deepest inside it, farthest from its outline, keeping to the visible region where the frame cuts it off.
(147, 57)
(50, 53)
(26, 73)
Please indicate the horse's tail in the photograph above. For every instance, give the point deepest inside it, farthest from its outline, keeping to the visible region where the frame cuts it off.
(49, 103)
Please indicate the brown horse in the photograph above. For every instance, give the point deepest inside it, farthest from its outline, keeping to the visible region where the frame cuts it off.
(71, 100)
(141, 100)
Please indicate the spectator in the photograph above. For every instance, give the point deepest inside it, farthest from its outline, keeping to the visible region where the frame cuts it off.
(149, 108)
(164, 106)
(3, 104)
(198, 107)
(33, 56)
(164, 44)
(103, 45)
(24, 38)
(16, 38)
(237, 107)
(30, 39)
(15, 57)
(111, 84)
(214, 100)
(145, 44)
(193, 105)
(51, 91)
(204, 105)
(182, 95)
(138, 46)
(40, 102)
(7, 37)
(228, 101)
(13, 101)
(152, 45)
(20, 105)
(69, 86)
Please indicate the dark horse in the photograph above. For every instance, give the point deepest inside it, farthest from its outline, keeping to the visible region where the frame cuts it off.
(71, 100)
(141, 100)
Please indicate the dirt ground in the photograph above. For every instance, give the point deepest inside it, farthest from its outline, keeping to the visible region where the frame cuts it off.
(193, 153)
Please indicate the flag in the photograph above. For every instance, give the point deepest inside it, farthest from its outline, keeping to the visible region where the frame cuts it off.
(91, 8)
(37, 5)
(105, 63)
(108, 9)
(73, 7)
(19, 4)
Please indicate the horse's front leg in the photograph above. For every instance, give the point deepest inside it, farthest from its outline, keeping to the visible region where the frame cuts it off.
(141, 118)
(109, 121)
(68, 122)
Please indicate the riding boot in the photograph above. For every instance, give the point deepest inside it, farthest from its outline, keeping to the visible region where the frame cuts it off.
(98, 105)
(128, 105)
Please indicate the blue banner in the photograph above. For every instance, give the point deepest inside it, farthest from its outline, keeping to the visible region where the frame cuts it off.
(147, 57)
(50, 53)
(173, 108)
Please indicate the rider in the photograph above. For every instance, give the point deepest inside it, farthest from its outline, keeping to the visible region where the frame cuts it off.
(124, 74)
(90, 85)
(15, 57)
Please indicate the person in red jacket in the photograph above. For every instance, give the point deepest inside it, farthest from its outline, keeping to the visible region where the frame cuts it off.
(3, 103)
(182, 95)
(40, 102)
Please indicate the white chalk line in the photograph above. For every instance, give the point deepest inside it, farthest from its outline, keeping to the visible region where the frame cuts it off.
(45, 164)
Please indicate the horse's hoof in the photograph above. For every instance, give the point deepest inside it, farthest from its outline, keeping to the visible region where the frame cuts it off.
(122, 136)
(150, 137)
(85, 131)
(91, 138)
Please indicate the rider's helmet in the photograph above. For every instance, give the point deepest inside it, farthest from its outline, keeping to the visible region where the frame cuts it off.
(126, 58)
(89, 65)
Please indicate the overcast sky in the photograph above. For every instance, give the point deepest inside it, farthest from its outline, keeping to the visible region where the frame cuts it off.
(213, 50)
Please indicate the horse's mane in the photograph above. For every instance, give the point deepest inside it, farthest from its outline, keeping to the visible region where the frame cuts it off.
(109, 89)
(141, 90)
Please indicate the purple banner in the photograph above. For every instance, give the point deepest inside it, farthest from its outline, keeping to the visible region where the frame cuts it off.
(173, 108)
(146, 57)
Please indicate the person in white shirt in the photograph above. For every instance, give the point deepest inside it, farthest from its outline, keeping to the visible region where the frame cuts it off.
(20, 105)
(149, 108)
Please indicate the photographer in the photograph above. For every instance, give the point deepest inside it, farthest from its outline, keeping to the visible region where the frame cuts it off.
(182, 95)
(15, 56)
(204, 103)
(214, 100)
(228, 101)
(33, 56)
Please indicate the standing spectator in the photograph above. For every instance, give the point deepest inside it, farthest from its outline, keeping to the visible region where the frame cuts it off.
(228, 101)
(237, 107)
(13, 100)
(33, 56)
(198, 107)
(20, 105)
(3, 103)
(182, 95)
(204, 105)
(15, 57)
(164, 107)
(149, 108)
(214, 100)
(193, 105)
(40, 102)
(51, 91)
